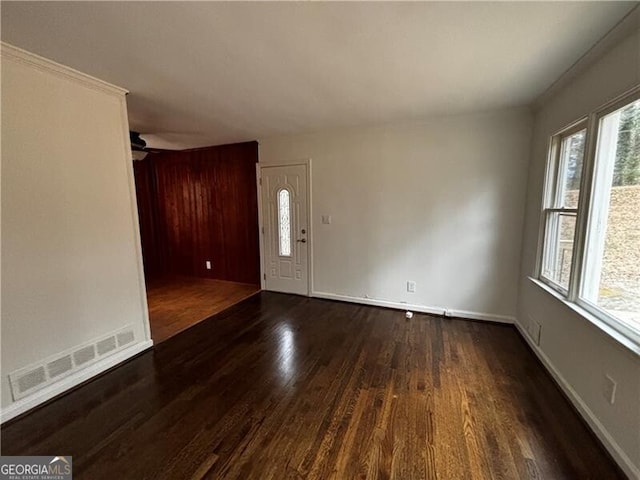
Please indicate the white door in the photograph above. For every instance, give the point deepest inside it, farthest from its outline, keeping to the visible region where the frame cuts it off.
(286, 229)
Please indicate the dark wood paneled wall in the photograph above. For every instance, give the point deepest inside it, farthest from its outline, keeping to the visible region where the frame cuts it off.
(152, 247)
(198, 205)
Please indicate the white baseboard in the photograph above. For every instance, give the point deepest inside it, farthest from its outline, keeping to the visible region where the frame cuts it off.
(39, 397)
(416, 308)
(489, 317)
(621, 458)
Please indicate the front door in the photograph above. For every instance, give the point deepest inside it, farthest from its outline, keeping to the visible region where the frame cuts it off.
(285, 228)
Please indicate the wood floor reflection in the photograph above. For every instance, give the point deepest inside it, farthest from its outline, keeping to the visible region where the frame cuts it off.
(282, 386)
(177, 303)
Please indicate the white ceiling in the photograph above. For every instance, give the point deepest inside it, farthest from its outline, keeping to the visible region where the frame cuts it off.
(211, 73)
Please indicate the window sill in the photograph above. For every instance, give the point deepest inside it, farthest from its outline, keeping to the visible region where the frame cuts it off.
(619, 337)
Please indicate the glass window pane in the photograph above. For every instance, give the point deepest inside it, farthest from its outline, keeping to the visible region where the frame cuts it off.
(558, 251)
(284, 223)
(571, 159)
(612, 268)
(560, 225)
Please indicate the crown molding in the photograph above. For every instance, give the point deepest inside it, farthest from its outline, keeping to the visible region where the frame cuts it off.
(18, 55)
(629, 25)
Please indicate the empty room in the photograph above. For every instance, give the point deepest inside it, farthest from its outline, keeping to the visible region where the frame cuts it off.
(320, 240)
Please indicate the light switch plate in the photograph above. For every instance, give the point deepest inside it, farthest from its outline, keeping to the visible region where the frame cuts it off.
(326, 219)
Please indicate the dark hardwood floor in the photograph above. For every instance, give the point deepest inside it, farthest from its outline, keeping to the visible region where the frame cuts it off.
(177, 303)
(282, 387)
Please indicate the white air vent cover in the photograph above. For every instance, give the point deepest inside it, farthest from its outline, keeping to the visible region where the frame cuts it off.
(106, 345)
(125, 337)
(84, 355)
(59, 366)
(31, 379)
(49, 370)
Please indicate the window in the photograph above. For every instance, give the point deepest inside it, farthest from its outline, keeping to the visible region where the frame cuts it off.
(562, 210)
(590, 248)
(284, 223)
(612, 262)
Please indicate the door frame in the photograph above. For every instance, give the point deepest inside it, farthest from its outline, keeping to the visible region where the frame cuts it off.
(307, 164)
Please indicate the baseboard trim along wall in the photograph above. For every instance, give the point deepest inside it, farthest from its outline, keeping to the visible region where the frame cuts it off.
(41, 396)
(619, 456)
(441, 311)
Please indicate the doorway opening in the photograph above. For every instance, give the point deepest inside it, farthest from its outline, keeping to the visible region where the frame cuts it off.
(198, 213)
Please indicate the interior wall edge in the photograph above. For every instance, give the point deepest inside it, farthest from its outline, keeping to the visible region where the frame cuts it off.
(135, 220)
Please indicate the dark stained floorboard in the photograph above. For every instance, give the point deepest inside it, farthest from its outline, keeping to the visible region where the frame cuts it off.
(282, 386)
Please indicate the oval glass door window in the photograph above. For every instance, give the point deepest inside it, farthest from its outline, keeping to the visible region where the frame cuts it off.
(284, 222)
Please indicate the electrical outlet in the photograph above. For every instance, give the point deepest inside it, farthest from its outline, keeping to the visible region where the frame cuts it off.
(208, 264)
(411, 286)
(609, 389)
(326, 219)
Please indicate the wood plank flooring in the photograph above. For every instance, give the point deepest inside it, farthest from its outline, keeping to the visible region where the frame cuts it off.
(287, 387)
(177, 303)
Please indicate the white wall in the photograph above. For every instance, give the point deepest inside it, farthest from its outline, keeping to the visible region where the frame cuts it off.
(578, 352)
(71, 263)
(439, 203)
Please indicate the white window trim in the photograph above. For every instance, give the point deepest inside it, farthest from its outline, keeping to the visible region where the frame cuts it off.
(614, 327)
(551, 198)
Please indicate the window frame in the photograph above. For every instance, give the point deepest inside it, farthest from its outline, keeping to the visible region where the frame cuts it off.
(584, 214)
(551, 199)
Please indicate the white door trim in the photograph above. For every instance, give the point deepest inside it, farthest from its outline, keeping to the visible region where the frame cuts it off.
(307, 164)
